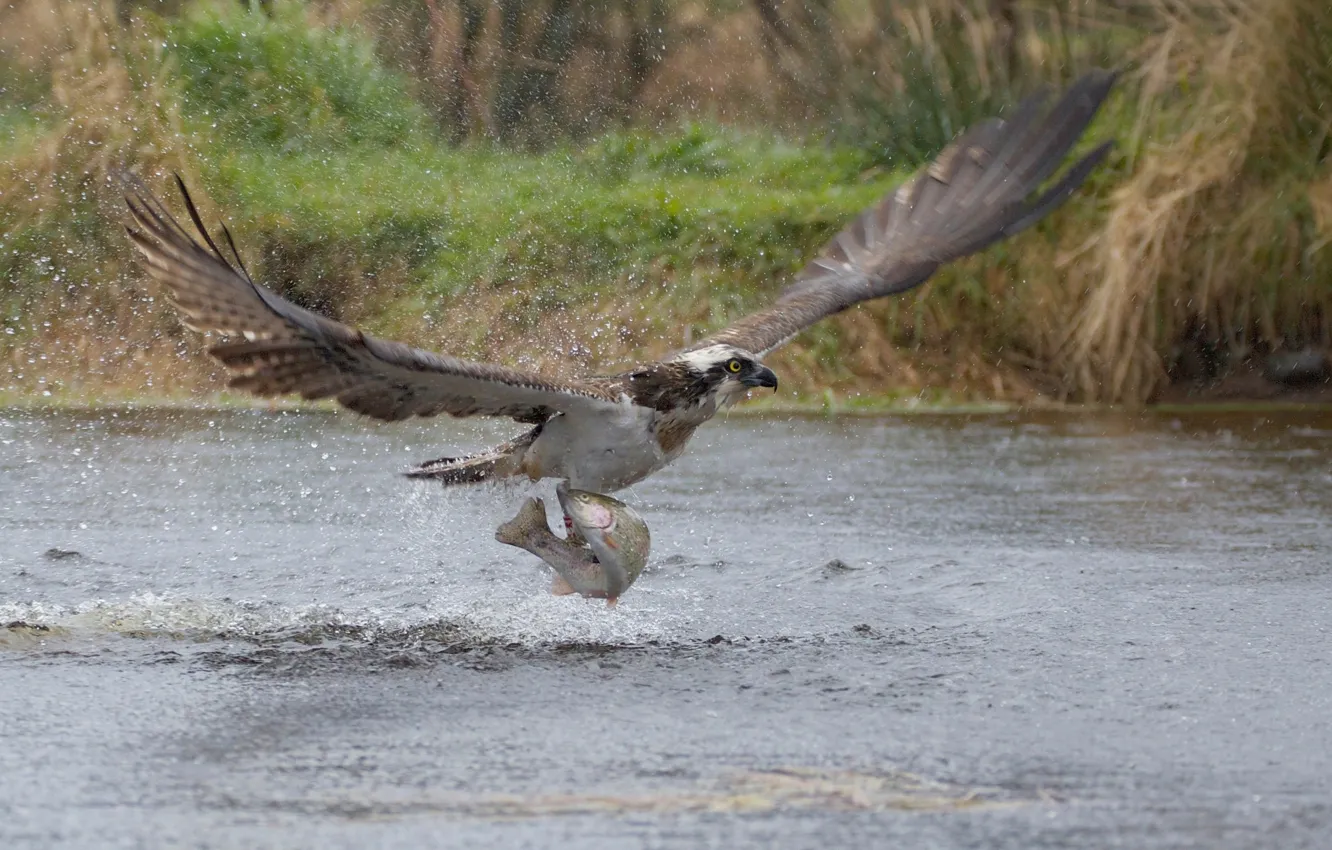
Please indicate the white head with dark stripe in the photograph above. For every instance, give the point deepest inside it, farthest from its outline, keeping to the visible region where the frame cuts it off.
(725, 372)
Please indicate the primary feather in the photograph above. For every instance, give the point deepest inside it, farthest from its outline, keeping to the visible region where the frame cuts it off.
(978, 190)
(284, 348)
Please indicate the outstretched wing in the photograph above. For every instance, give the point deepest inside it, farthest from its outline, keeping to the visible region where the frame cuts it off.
(976, 192)
(282, 348)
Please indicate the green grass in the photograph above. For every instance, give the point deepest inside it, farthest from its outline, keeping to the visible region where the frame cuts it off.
(269, 79)
(339, 191)
(469, 219)
(344, 197)
(20, 127)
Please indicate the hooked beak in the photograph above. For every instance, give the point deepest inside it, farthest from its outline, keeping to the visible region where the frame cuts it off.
(761, 377)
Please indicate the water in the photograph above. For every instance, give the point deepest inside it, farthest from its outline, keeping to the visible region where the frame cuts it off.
(242, 629)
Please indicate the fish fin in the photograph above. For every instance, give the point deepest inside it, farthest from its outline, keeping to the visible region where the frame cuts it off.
(530, 517)
(559, 586)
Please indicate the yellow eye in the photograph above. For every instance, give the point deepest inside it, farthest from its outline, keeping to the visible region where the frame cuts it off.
(733, 367)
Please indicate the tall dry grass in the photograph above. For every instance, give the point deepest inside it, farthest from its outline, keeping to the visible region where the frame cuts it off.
(101, 116)
(916, 73)
(1215, 241)
(1218, 237)
(1209, 231)
(61, 204)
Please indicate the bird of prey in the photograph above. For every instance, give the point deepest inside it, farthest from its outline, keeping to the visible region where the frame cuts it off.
(604, 433)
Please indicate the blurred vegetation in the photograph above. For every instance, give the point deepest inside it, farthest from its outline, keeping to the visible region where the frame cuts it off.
(569, 183)
(270, 79)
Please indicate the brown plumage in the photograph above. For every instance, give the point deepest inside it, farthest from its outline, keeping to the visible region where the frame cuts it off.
(606, 432)
(501, 461)
(287, 349)
(974, 193)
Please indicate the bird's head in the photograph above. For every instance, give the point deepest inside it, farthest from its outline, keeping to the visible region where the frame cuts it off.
(727, 372)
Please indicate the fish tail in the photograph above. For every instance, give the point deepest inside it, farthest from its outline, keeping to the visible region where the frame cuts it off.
(531, 517)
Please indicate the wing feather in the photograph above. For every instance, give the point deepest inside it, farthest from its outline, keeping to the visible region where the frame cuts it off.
(977, 191)
(276, 347)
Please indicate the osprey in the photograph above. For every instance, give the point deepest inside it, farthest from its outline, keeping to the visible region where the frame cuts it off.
(604, 433)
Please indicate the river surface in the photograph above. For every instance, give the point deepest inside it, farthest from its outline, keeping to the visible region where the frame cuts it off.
(243, 629)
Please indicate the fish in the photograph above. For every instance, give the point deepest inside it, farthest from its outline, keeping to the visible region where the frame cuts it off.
(604, 552)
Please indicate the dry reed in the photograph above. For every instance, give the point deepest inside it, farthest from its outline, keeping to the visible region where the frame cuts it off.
(101, 118)
(1208, 241)
(1210, 230)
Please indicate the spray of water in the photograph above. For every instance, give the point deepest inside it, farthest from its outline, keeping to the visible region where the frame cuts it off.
(464, 589)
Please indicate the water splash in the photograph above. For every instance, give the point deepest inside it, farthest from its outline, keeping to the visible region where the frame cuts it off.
(513, 621)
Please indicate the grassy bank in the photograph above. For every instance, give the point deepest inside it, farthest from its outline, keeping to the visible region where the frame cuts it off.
(1205, 232)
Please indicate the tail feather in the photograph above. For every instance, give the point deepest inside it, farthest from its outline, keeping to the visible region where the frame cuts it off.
(502, 461)
(462, 470)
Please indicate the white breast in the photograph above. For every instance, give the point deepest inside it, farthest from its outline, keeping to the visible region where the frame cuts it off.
(602, 452)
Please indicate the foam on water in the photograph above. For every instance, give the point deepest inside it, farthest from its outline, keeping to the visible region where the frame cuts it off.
(149, 614)
(517, 621)
(479, 593)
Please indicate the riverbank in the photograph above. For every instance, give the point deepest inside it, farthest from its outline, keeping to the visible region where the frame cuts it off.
(588, 252)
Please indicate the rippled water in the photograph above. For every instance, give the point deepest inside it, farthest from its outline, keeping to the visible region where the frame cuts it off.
(242, 629)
